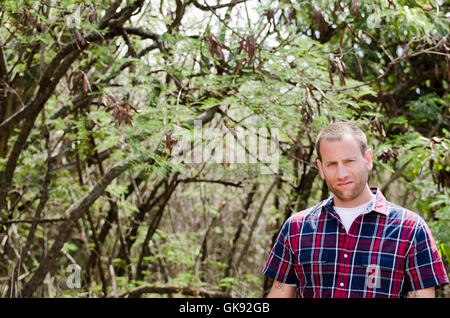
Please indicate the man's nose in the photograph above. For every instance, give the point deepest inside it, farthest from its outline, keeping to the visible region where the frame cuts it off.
(341, 172)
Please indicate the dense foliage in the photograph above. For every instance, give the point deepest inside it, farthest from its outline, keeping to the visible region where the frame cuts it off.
(103, 106)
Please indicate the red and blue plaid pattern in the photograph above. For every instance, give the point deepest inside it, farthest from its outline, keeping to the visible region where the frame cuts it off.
(386, 253)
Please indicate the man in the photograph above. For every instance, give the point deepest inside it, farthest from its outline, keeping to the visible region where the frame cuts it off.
(355, 243)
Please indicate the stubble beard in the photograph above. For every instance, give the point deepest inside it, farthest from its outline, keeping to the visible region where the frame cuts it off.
(359, 185)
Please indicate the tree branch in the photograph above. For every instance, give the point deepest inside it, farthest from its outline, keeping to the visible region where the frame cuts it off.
(129, 43)
(179, 13)
(3, 66)
(50, 79)
(32, 221)
(173, 289)
(65, 230)
(225, 183)
(207, 7)
(255, 223)
(65, 57)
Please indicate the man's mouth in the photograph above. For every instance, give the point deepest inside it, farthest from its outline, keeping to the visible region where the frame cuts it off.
(343, 184)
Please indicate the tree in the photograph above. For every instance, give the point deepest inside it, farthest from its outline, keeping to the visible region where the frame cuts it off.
(102, 105)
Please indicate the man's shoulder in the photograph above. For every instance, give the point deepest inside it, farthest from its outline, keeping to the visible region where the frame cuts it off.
(395, 213)
(403, 216)
(311, 212)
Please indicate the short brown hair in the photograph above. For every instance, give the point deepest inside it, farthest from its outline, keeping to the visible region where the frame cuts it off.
(336, 131)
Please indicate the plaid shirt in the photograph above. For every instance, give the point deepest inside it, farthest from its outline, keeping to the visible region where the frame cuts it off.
(386, 253)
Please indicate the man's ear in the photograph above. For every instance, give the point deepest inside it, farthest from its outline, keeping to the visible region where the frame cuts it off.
(319, 165)
(368, 159)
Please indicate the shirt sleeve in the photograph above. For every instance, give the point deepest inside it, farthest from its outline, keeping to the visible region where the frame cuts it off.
(281, 262)
(424, 266)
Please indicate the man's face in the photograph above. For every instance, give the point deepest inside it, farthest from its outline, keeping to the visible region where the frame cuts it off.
(344, 168)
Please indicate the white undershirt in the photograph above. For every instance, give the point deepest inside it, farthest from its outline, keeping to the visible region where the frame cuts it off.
(348, 215)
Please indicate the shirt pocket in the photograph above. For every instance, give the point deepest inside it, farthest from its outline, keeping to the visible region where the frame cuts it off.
(315, 271)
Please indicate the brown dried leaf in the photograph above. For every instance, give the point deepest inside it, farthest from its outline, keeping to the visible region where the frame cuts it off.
(132, 107)
(342, 35)
(251, 48)
(216, 46)
(355, 7)
(86, 85)
(224, 46)
(331, 68)
(270, 15)
(70, 83)
(370, 36)
(358, 62)
(120, 111)
(169, 143)
(290, 137)
(317, 15)
(222, 203)
(341, 77)
(330, 73)
(220, 52)
(241, 45)
(211, 45)
(292, 14)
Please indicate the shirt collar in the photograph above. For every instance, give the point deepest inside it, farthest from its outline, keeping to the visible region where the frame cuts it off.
(379, 204)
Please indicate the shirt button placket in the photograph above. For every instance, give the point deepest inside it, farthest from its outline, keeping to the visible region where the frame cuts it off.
(345, 262)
